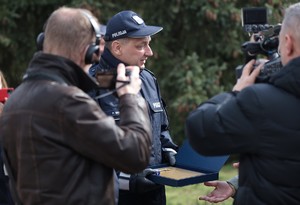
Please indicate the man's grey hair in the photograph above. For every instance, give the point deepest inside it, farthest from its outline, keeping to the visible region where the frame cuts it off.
(291, 21)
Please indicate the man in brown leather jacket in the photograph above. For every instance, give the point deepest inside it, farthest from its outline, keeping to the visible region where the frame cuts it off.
(60, 146)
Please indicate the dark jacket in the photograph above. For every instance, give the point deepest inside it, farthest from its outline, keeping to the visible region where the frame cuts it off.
(5, 195)
(151, 93)
(61, 146)
(261, 123)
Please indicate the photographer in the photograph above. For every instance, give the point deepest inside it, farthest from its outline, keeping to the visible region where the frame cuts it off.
(60, 147)
(261, 123)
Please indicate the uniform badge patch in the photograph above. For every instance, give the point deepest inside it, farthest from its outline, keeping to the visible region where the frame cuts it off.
(138, 20)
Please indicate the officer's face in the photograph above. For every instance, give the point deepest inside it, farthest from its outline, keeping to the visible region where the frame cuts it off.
(135, 51)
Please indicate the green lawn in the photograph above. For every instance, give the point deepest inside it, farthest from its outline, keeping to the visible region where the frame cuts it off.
(188, 195)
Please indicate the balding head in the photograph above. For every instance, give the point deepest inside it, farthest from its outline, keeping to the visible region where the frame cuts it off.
(68, 33)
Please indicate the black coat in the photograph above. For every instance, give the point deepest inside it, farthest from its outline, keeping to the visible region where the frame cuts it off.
(5, 195)
(262, 124)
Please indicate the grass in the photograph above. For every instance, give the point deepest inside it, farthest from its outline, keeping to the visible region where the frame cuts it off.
(188, 195)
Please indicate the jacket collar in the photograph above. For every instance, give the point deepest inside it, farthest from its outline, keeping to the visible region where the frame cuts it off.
(63, 67)
(108, 61)
(288, 78)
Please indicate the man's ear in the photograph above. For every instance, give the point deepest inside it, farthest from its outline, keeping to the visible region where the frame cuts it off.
(289, 44)
(80, 57)
(116, 48)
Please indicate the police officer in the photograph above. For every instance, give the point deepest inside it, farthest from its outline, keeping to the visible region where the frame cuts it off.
(127, 41)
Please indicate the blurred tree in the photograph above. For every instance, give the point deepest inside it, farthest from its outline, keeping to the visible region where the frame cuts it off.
(194, 56)
(21, 21)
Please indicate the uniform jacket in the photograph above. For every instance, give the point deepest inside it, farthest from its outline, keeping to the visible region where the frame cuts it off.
(151, 93)
(61, 146)
(261, 123)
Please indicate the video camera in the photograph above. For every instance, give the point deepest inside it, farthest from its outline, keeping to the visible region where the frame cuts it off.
(265, 41)
(107, 78)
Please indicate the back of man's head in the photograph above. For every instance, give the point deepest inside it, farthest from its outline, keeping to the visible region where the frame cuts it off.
(289, 38)
(68, 32)
(291, 21)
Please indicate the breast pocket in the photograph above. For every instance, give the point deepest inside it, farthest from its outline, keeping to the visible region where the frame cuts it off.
(155, 105)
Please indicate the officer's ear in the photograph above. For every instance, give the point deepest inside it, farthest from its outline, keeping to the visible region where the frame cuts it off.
(116, 47)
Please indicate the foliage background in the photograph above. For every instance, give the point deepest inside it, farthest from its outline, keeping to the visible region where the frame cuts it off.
(194, 56)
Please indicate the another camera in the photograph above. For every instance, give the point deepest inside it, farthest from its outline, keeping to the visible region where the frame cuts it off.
(4, 94)
(254, 19)
(265, 42)
(107, 78)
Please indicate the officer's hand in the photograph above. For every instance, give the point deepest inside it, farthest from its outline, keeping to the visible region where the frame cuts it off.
(169, 156)
(139, 183)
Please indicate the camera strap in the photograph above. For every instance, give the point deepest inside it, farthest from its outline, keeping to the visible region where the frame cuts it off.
(125, 82)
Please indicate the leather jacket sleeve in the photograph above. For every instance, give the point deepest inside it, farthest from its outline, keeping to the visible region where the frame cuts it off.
(125, 147)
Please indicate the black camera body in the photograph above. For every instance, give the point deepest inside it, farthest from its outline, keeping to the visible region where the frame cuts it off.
(269, 68)
(107, 78)
(265, 41)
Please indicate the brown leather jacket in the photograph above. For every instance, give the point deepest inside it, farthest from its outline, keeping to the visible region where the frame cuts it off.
(61, 147)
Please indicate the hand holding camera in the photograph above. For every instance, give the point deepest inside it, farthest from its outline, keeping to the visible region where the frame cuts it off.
(249, 74)
(121, 80)
(128, 80)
